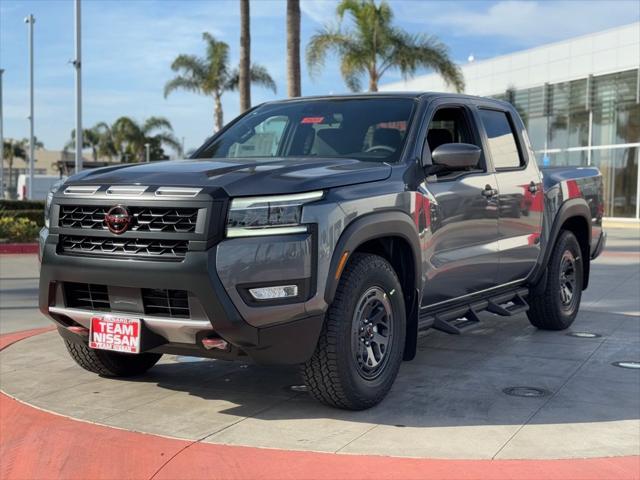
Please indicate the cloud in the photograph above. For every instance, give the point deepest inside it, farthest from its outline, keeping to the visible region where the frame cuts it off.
(320, 11)
(531, 22)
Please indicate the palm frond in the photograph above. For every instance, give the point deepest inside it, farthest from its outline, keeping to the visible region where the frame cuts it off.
(156, 123)
(260, 76)
(420, 51)
(325, 41)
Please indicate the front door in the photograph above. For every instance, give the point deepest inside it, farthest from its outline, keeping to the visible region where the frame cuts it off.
(460, 248)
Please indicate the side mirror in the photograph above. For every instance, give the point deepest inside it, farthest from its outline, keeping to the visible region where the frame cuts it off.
(456, 156)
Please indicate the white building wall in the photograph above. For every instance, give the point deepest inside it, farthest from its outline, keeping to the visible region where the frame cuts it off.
(599, 53)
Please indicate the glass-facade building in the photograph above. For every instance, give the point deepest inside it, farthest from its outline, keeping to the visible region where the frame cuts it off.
(580, 101)
(588, 121)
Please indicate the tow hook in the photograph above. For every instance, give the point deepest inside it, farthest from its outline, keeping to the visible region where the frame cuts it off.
(79, 330)
(217, 343)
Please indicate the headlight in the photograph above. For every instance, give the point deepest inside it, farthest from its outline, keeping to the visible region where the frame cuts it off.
(271, 215)
(47, 203)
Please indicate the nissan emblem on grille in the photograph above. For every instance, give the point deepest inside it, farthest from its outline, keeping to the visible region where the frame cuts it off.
(117, 219)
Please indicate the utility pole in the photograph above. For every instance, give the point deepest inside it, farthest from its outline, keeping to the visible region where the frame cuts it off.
(30, 20)
(77, 63)
(1, 142)
(146, 147)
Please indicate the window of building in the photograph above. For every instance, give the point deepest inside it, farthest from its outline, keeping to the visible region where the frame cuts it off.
(502, 142)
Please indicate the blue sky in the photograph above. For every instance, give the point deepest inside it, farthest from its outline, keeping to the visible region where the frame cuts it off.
(128, 46)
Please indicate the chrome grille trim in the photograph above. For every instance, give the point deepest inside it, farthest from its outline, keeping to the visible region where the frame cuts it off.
(180, 192)
(145, 219)
(126, 190)
(123, 247)
(86, 190)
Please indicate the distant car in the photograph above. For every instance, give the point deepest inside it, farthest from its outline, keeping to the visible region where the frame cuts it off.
(41, 186)
(325, 232)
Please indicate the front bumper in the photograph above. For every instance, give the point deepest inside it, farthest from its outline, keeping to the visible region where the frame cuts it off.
(288, 336)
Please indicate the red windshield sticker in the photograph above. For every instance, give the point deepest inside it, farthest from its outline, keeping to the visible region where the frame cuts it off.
(312, 120)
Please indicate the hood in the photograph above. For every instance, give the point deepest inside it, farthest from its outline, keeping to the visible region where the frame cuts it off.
(239, 177)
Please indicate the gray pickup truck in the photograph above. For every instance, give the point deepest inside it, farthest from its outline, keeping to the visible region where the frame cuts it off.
(326, 232)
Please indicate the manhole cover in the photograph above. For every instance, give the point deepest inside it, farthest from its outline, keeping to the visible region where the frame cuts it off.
(526, 392)
(584, 335)
(626, 364)
(299, 388)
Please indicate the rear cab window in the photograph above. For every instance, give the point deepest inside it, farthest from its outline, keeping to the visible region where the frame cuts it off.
(502, 142)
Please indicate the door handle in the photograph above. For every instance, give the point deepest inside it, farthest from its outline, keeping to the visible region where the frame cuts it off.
(489, 191)
(533, 187)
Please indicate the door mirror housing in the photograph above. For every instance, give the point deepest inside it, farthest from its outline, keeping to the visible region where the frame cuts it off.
(456, 156)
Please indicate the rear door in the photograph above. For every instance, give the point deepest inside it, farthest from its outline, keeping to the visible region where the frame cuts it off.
(460, 250)
(520, 196)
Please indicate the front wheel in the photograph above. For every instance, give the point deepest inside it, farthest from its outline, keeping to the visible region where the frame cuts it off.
(362, 341)
(111, 364)
(556, 307)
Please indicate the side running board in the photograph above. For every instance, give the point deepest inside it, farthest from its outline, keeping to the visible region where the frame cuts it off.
(459, 319)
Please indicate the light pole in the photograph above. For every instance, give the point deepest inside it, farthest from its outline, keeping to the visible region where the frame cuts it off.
(146, 147)
(30, 20)
(77, 64)
(1, 142)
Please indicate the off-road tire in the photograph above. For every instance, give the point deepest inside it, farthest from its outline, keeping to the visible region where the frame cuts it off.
(111, 364)
(547, 311)
(332, 374)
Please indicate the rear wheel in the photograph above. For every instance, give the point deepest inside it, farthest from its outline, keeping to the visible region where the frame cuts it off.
(361, 344)
(556, 307)
(111, 364)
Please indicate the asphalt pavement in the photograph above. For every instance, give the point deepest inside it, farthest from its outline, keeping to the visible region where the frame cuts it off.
(450, 402)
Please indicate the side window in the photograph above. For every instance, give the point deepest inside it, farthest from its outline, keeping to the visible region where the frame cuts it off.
(502, 142)
(451, 125)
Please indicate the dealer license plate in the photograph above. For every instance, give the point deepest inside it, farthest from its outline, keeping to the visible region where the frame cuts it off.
(115, 333)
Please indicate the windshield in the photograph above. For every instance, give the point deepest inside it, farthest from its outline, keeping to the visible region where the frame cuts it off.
(370, 129)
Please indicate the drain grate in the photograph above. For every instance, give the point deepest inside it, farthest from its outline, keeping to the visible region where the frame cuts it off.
(530, 392)
(584, 335)
(299, 388)
(627, 364)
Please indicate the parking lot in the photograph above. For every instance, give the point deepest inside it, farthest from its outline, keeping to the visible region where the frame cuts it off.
(449, 403)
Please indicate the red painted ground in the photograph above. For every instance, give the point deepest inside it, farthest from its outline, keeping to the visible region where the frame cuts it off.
(39, 445)
(8, 248)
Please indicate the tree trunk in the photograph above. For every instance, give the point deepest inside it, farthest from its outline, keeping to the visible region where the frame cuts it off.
(245, 57)
(293, 48)
(9, 183)
(373, 83)
(218, 112)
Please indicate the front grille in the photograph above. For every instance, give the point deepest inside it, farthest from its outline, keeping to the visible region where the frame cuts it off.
(124, 247)
(144, 219)
(87, 296)
(166, 303)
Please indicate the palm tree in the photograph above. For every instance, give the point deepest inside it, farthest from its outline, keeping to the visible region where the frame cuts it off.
(212, 75)
(91, 138)
(244, 82)
(374, 46)
(293, 48)
(128, 138)
(13, 149)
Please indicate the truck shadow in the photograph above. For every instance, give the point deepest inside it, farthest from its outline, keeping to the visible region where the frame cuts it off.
(454, 380)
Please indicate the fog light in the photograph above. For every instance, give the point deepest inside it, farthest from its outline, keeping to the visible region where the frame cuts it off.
(270, 293)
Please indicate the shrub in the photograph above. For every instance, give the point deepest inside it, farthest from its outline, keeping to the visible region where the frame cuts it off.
(21, 205)
(18, 229)
(32, 210)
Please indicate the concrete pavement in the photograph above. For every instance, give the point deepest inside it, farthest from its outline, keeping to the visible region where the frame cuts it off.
(448, 403)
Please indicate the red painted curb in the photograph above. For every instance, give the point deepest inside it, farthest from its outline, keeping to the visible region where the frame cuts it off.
(13, 248)
(37, 444)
